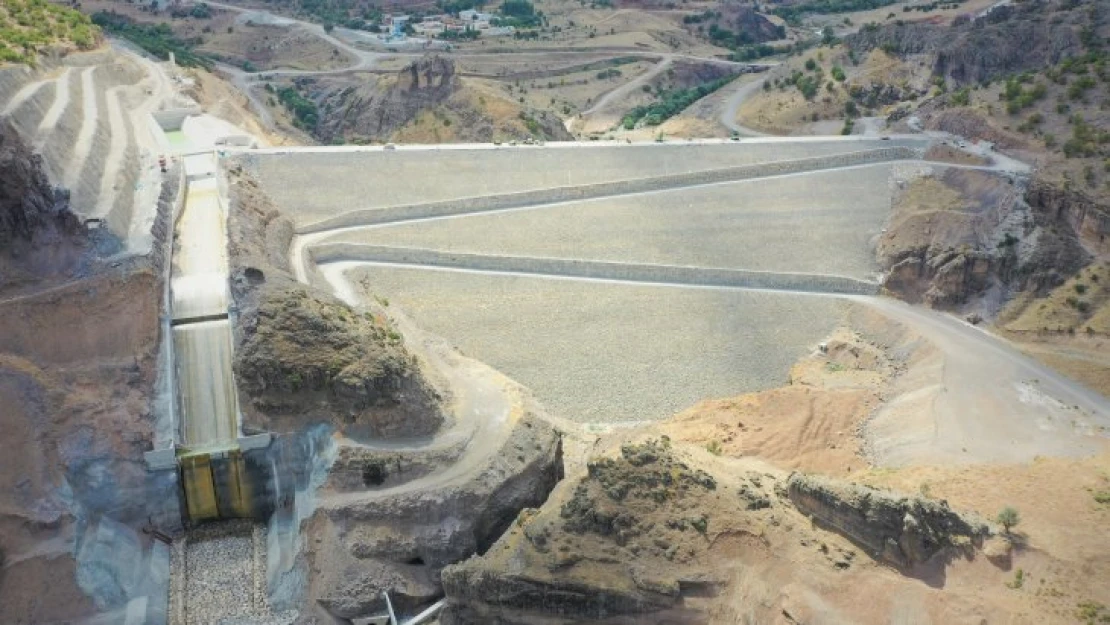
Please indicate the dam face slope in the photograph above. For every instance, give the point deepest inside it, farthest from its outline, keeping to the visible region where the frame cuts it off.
(619, 282)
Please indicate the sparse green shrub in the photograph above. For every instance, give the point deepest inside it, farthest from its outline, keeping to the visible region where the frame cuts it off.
(700, 524)
(305, 113)
(1008, 518)
(158, 40)
(671, 103)
(1091, 612)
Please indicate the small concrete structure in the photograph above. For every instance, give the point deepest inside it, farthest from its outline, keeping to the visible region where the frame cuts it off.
(174, 119)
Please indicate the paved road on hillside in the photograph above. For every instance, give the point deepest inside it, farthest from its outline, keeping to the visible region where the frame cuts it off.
(732, 108)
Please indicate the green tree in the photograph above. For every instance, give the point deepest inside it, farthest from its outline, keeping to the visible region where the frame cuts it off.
(1008, 517)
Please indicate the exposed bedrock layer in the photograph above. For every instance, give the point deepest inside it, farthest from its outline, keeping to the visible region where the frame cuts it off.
(903, 531)
(1008, 40)
(302, 356)
(360, 544)
(955, 235)
(659, 534)
(77, 367)
(39, 235)
(360, 107)
(1089, 218)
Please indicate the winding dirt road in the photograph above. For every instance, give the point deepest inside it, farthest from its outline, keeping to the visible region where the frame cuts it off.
(732, 108)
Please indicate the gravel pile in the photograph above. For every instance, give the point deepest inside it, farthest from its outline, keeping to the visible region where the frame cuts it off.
(224, 579)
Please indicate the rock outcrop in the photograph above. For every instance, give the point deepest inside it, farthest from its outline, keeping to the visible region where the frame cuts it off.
(626, 543)
(1008, 40)
(955, 235)
(400, 539)
(302, 356)
(32, 210)
(1088, 217)
(377, 113)
(899, 530)
(40, 237)
(659, 534)
(426, 102)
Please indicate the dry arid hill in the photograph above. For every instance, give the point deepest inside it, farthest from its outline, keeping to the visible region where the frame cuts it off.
(921, 313)
(425, 102)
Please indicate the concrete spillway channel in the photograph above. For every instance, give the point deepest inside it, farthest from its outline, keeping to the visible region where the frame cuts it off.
(208, 424)
(204, 438)
(201, 329)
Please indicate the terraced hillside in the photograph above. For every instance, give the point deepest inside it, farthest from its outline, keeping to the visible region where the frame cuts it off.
(87, 114)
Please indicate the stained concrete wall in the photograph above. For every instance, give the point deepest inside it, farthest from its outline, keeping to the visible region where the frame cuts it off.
(603, 189)
(174, 118)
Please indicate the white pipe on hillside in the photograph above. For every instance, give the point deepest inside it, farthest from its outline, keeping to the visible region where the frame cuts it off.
(427, 614)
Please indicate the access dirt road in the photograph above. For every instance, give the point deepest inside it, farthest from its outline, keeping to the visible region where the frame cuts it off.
(980, 400)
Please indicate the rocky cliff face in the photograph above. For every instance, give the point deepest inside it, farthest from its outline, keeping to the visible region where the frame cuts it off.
(304, 357)
(39, 236)
(77, 369)
(426, 102)
(401, 538)
(659, 534)
(1090, 219)
(378, 112)
(954, 235)
(32, 211)
(1008, 40)
(902, 531)
(627, 543)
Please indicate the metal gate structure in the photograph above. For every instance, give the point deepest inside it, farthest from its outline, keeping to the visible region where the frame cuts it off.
(216, 485)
